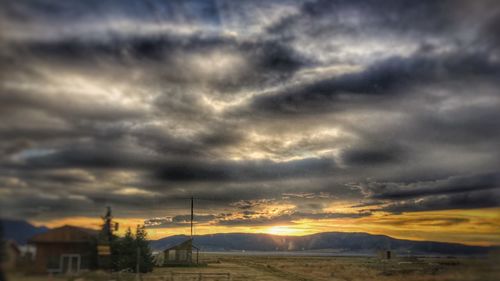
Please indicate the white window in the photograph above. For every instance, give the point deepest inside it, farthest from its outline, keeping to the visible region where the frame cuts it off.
(70, 264)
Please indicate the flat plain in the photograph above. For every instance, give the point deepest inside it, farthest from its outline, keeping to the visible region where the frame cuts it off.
(305, 268)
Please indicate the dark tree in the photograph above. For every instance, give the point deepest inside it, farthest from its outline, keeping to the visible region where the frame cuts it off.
(105, 240)
(3, 253)
(123, 252)
(141, 242)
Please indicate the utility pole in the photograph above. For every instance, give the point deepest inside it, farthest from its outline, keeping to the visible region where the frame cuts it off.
(108, 229)
(104, 241)
(192, 216)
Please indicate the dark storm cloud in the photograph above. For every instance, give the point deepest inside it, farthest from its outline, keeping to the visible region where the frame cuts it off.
(52, 13)
(402, 16)
(265, 61)
(36, 205)
(246, 171)
(199, 145)
(465, 200)
(33, 203)
(135, 103)
(103, 156)
(468, 125)
(64, 178)
(7, 149)
(455, 184)
(488, 35)
(386, 79)
(373, 155)
(88, 157)
(408, 22)
(457, 192)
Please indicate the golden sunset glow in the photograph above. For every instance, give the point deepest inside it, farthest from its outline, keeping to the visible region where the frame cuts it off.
(472, 227)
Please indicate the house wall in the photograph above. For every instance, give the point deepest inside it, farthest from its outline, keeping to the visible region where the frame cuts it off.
(48, 255)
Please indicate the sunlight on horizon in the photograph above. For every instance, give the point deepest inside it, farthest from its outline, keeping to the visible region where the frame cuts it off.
(480, 227)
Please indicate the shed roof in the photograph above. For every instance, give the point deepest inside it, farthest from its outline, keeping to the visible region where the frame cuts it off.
(66, 234)
(183, 245)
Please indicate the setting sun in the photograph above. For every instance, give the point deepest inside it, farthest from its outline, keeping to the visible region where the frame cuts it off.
(283, 230)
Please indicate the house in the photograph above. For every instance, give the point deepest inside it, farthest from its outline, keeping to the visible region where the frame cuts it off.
(180, 254)
(67, 249)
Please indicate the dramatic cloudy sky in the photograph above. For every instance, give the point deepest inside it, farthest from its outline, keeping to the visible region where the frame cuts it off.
(286, 117)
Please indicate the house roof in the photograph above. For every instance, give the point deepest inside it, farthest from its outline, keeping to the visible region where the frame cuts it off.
(66, 234)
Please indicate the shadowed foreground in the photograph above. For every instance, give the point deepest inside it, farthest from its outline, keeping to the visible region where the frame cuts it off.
(266, 268)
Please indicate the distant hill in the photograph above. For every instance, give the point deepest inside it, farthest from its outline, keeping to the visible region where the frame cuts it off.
(19, 230)
(339, 242)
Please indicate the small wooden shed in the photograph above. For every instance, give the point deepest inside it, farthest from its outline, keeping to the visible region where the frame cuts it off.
(181, 254)
(67, 249)
(385, 254)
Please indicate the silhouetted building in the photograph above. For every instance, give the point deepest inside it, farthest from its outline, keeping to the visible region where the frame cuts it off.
(180, 254)
(66, 249)
(386, 254)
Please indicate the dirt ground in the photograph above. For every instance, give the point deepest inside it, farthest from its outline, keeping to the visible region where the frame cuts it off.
(295, 268)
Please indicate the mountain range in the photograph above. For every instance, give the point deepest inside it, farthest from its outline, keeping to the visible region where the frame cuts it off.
(332, 242)
(327, 242)
(19, 230)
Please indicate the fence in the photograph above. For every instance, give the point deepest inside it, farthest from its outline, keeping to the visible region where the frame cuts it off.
(176, 276)
(200, 276)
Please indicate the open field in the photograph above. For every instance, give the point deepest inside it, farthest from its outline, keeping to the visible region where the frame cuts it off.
(303, 268)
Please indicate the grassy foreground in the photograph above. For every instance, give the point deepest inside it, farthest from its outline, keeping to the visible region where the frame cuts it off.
(273, 268)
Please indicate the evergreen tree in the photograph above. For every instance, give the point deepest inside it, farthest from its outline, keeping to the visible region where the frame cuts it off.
(146, 257)
(124, 252)
(3, 254)
(105, 239)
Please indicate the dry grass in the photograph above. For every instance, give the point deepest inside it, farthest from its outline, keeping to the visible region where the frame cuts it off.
(275, 268)
(360, 268)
